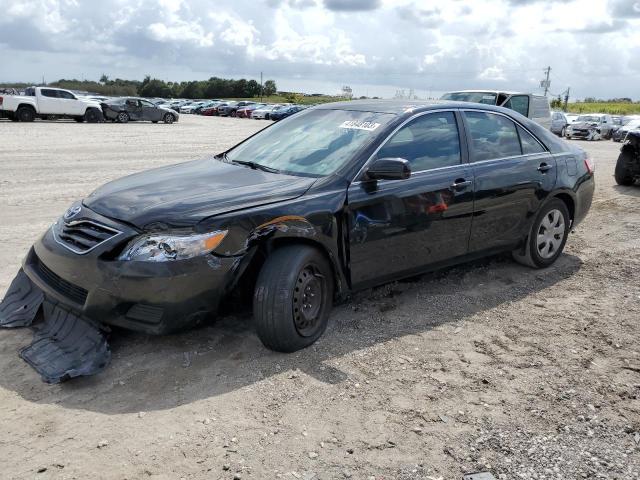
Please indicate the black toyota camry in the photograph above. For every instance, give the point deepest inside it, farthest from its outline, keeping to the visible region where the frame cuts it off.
(336, 198)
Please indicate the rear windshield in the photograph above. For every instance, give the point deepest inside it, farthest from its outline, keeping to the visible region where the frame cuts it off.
(312, 143)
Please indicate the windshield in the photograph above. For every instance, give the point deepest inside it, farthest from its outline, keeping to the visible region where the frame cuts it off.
(588, 118)
(632, 124)
(313, 143)
(487, 98)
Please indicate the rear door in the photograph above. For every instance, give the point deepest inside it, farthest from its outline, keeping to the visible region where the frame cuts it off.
(48, 102)
(397, 227)
(514, 174)
(134, 108)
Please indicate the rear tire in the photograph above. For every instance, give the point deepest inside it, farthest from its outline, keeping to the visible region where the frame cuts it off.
(624, 171)
(25, 114)
(548, 236)
(293, 298)
(168, 118)
(123, 117)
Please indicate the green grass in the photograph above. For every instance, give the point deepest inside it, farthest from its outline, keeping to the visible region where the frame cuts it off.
(603, 107)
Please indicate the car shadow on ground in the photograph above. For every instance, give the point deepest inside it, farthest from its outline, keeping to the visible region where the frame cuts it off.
(632, 191)
(155, 373)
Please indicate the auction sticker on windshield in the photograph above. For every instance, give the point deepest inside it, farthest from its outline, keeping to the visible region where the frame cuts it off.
(356, 125)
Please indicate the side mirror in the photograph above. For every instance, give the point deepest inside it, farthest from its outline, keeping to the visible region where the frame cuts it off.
(389, 169)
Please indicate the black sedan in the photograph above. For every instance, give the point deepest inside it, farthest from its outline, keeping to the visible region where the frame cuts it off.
(285, 112)
(123, 110)
(334, 199)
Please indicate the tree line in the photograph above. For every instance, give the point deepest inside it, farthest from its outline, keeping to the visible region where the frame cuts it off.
(152, 87)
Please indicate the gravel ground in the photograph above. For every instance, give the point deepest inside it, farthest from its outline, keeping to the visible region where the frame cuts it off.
(485, 367)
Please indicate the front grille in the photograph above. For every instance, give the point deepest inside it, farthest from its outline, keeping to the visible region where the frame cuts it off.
(82, 236)
(68, 289)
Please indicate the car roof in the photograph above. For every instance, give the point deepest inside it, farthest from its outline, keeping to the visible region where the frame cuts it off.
(400, 107)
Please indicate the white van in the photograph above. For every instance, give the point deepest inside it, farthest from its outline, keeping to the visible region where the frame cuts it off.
(535, 107)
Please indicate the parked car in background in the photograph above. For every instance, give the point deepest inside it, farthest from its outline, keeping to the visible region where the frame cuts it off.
(594, 126)
(559, 123)
(264, 113)
(627, 170)
(203, 105)
(212, 109)
(338, 198)
(247, 110)
(620, 133)
(285, 112)
(125, 109)
(535, 107)
(230, 109)
(44, 102)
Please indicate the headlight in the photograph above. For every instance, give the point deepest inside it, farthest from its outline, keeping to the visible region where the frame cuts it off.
(168, 247)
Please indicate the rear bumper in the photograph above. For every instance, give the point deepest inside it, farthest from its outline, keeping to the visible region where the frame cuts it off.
(154, 298)
(584, 197)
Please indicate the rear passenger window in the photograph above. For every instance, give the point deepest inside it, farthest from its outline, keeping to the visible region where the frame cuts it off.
(492, 136)
(519, 103)
(430, 141)
(529, 143)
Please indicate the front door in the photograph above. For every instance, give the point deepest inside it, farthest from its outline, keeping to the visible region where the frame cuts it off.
(513, 174)
(397, 227)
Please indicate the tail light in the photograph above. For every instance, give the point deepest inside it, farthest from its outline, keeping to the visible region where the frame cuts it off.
(1, 99)
(591, 168)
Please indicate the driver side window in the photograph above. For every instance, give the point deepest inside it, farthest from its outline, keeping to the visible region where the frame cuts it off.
(427, 142)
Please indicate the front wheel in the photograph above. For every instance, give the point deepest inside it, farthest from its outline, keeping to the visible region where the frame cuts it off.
(563, 132)
(293, 298)
(624, 171)
(92, 115)
(168, 118)
(548, 236)
(123, 117)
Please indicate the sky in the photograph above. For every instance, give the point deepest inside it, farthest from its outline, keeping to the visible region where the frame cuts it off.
(375, 46)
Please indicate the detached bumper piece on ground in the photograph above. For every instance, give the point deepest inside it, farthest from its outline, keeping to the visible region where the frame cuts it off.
(64, 345)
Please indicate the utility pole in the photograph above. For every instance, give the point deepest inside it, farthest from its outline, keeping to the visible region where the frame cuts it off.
(546, 83)
(261, 88)
(566, 98)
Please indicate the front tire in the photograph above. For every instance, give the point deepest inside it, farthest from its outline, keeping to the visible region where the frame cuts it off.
(624, 172)
(548, 236)
(92, 115)
(168, 118)
(293, 298)
(123, 117)
(563, 132)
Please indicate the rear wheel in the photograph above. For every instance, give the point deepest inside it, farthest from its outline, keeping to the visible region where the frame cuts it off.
(293, 298)
(168, 118)
(548, 236)
(624, 168)
(25, 114)
(123, 117)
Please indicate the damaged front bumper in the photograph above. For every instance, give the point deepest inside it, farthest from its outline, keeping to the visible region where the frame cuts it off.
(80, 294)
(64, 345)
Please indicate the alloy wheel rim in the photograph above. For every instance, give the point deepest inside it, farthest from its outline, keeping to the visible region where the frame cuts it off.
(168, 118)
(308, 296)
(550, 234)
(122, 117)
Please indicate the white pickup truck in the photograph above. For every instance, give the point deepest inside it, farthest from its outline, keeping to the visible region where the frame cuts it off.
(45, 102)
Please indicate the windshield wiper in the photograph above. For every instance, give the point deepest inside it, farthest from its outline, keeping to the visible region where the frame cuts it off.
(256, 166)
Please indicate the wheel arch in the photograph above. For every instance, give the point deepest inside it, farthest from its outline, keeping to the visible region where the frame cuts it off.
(569, 201)
(26, 105)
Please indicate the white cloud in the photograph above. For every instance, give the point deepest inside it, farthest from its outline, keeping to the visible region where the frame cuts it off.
(392, 43)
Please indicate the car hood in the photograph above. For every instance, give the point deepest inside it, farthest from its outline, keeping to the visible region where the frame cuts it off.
(184, 194)
(583, 125)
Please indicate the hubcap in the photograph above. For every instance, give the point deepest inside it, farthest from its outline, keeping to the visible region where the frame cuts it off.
(308, 297)
(550, 234)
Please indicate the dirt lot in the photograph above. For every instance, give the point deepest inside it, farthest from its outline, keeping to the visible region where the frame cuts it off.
(486, 367)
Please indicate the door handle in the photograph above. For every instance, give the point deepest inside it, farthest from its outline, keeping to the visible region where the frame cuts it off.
(544, 167)
(461, 183)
